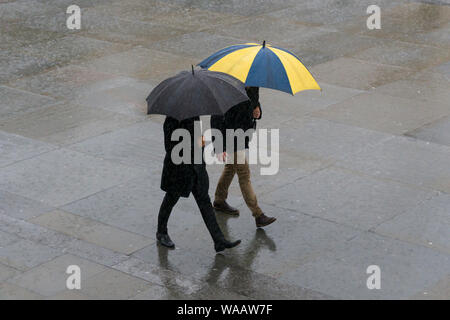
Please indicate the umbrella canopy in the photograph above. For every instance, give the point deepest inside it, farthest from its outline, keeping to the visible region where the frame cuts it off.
(196, 93)
(262, 66)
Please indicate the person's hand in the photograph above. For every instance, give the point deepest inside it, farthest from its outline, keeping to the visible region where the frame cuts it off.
(201, 141)
(222, 156)
(256, 113)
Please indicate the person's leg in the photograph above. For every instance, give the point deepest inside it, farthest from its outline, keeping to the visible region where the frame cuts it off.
(201, 196)
(243, 172)
(226, 177)
(223, 185)
(165, 210)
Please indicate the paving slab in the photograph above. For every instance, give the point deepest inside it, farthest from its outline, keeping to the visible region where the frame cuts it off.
(246, 8)
(16, 64)
(7, 272)
(416, 22)
(325, 139)
(18, 102)
(428, 89)
(404, 54)
(65, 123)
(50, 278)
(216, 270)
(112, 284)
(12, 292)
(328, 11)
(141, 63)
(279, 107)
(92, 231)
(344, 197)
(7, 238)
(21, 208)
(106, 27)
(261, 249)
(70, 49)
(185, 18)
(69, 176)
(139, 145)
(69, 295)
(405, 269)
(198, 45)
(66, 82)
(25, 254)
(126, 97)
(134, 206)
(169, 282)
(407, 160)
(426, 224)
(357, 74)
(15, 35)
(16, 148)
(385, 113)
(437, 132)
(439, 291)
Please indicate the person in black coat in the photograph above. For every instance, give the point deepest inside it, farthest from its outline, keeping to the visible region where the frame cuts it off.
(242, 116)
(179, 180)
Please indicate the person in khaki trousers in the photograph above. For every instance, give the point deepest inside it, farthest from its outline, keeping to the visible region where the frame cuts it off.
(242, 116)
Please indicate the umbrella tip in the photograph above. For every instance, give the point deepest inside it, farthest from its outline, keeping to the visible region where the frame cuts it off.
(192, 69)
(264, 44)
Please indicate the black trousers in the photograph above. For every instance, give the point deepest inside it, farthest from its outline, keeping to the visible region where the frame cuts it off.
(201, 196)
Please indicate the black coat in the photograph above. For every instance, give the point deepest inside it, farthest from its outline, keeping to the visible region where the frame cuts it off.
(238, 117)
(180, 178)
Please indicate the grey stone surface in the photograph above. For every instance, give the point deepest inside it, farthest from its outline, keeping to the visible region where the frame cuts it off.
(16, 148)
(437, 132)
(16, 102)
(65, 123)
(357, 74)
(405, 159)
(12, 292)
(385, 113)
(19, 207)
(343, 272)
(325, 139)
(25, 254)
(426, 224)
(112, 284)
(92, 231)
(7, 272)
(50, 278)
(69, 176)
(324, 194)
(80, 160)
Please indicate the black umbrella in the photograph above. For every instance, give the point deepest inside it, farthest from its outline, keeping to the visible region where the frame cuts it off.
(196, 93)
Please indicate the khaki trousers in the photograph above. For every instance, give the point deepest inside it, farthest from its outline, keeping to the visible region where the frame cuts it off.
(237, 163)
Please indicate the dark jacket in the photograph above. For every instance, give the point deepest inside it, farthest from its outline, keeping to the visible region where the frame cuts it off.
(238, 117)
(180, 178)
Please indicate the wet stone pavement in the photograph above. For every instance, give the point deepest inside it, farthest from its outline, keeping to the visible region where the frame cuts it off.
(364, 173)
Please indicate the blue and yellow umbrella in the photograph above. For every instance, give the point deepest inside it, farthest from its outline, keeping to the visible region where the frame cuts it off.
(262, 66)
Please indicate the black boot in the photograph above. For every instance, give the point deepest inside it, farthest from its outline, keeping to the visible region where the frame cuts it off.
(225, 244)
(164, 240)
(220, 243)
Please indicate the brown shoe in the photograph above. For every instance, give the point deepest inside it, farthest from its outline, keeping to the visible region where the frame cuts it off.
(263, 220)
(224, 207)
